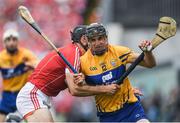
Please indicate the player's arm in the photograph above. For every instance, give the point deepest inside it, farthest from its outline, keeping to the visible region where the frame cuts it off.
(149, 59)
(87, 90)
(31, 60)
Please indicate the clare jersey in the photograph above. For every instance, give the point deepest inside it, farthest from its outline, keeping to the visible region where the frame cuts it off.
(12, 68)
(106, 69)
(49, 75)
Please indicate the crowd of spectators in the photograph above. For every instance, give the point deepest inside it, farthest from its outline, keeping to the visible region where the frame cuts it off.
(55, 17)
(160, 107)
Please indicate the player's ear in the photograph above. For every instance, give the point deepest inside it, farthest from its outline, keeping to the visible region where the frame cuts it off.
(84, 40)
(89, 44)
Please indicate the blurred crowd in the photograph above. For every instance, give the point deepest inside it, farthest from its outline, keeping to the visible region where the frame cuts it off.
(55, 17)
(163, 108)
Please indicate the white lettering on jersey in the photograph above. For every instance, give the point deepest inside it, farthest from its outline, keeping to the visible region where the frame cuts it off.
(107, 77)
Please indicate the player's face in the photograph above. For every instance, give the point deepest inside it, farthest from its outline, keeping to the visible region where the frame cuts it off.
(11, 44)
(84, 42)
(98, 45)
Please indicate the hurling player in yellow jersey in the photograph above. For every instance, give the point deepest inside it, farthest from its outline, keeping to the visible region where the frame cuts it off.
(16, 64)
(103, 64)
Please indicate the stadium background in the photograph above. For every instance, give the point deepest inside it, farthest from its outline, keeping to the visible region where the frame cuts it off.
(128, 22)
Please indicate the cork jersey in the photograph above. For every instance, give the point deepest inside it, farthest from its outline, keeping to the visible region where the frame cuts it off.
(49, 75)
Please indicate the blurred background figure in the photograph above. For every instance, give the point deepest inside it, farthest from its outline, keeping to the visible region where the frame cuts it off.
(127, 21)
(16, 64)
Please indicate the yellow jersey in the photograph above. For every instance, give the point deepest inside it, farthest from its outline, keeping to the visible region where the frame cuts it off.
(14, 76)
(106, 69)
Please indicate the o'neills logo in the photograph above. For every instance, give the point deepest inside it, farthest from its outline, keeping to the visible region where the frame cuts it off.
(107, 77)
(93, 68)
(103, 66)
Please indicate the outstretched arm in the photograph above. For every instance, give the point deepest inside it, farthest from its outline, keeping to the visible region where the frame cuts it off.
(149, 59)
(87, 90)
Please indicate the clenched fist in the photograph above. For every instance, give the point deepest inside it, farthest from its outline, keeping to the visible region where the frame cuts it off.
(79, 78)
(111, 89)
(145, 46)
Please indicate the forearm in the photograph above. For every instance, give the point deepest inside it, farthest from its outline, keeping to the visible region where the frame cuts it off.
(87, 90)
(83, 90)
(149, 60)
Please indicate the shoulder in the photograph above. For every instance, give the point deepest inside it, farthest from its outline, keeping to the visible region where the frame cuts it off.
(86, 58)
(3, 56)
(119, 48)
(70, 46)
(3, 53)
(22, 49)
(120, 51)
(68, 49)
(26, 51)
(86, 55)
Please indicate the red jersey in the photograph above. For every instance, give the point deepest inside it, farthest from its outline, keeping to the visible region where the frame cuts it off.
(49, 75)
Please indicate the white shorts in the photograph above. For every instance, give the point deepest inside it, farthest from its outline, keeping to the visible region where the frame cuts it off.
(30, 98)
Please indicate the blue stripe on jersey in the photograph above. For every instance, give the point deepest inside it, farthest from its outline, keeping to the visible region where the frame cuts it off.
(106, 77)
(11, 72)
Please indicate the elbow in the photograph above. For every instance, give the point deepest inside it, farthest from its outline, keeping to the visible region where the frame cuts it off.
(73, 91)
(74, 94)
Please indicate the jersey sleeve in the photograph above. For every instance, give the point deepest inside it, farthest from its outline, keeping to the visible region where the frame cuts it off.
(1, 59)
(0, 63)
(125, 54)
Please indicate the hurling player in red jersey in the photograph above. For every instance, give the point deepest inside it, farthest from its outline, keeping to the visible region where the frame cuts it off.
(48, 79)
